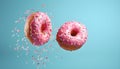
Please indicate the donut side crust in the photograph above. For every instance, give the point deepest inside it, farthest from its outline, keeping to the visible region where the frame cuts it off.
(27, 27)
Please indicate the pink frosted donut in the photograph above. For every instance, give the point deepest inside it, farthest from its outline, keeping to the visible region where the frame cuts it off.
(38, 28)
(71, 35)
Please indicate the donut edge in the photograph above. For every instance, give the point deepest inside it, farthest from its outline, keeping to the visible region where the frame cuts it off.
(27, 27)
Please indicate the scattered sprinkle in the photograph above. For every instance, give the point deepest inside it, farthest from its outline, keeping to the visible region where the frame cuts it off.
(40, 55)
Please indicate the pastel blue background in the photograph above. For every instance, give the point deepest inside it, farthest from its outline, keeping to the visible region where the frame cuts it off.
(101, 17)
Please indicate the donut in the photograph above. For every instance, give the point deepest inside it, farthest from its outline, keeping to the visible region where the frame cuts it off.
(38, 28)
(71, 35)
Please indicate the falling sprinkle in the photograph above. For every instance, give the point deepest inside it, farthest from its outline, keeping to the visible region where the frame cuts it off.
(40, 55)
(43, 5)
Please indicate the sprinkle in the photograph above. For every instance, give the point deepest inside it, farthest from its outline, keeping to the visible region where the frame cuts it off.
(41, 54)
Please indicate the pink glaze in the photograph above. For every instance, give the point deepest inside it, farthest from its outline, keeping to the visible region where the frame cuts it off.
(39, 28)
(72, 35)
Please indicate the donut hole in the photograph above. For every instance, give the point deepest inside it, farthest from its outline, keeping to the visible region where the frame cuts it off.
(74, 32)
(43, 27)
